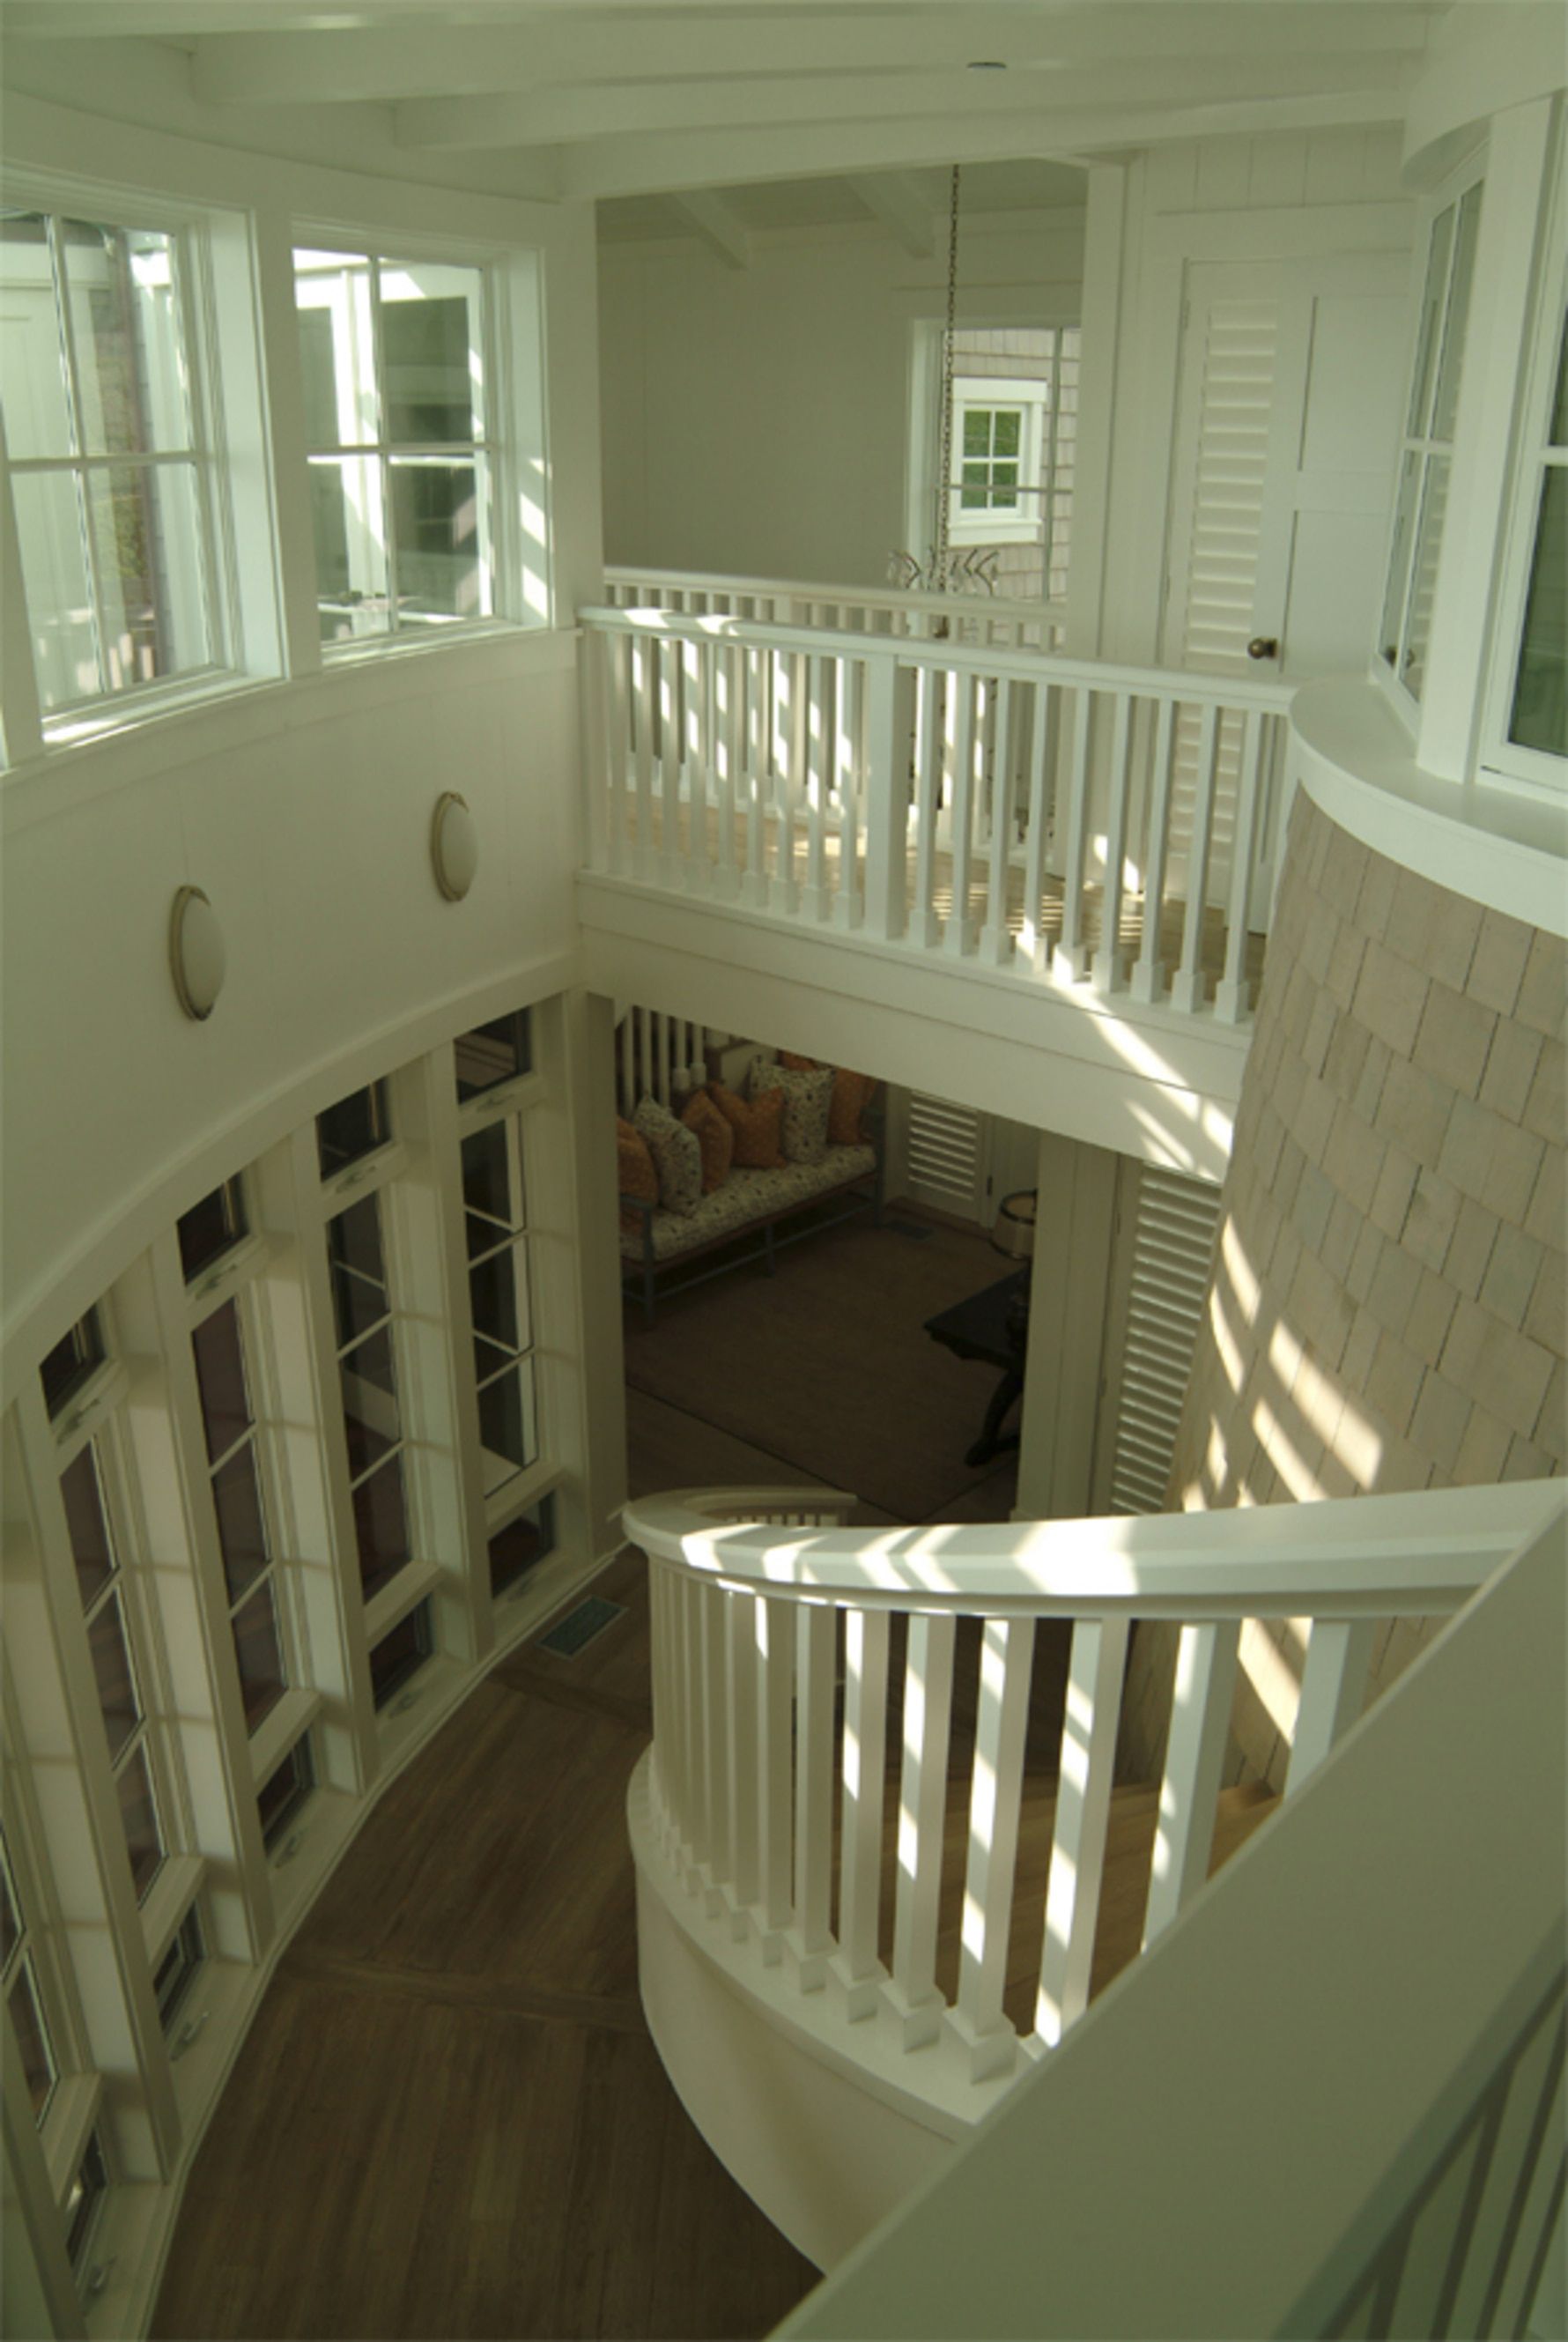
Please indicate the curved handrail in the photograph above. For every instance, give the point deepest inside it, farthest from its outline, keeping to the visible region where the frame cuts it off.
(867, 598)
(1408, 1554)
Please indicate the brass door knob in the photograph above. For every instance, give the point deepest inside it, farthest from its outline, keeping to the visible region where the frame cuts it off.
(1263, 646)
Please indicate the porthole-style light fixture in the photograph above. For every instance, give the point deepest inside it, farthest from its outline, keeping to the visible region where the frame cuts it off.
(198, 961)
(454, 845)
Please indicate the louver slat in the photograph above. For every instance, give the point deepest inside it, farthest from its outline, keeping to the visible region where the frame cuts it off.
(1172, 1235)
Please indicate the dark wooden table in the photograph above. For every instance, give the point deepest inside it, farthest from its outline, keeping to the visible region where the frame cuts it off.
(985, 1327)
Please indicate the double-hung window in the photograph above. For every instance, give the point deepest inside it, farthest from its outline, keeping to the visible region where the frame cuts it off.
(400, 423)
(246, 1539)
(117, 1650)
(20, 1979)
(1426, 460)
(109, 448)
(1014, 445)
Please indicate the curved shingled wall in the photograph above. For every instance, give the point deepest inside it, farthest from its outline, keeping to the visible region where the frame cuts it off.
(1386, 1309)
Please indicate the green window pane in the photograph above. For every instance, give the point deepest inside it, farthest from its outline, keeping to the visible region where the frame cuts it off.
(1009, 426)
(977, 432)
(1540, 713)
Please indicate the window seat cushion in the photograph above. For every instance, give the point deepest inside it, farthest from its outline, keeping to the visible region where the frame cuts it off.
(745, 1198)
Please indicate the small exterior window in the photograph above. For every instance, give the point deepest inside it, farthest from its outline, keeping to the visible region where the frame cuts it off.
(72, 1361)
(492, 1054)
(522, 1542)
(285, 1790)
(177, 1968)
(399, 1654)
(1538, 712)
(83, 2203)
(357, 1127)
(112, 476)
(398, 389)
(1015, 442)
(1427, 456)
(212, 1227)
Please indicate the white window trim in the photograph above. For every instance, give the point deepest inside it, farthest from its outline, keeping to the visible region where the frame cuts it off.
(243, 612)
(1470, 173)
(1502, 761)
(522, 597)
(1032, 398)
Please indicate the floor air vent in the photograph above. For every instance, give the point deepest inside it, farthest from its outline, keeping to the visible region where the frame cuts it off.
(580, 1626)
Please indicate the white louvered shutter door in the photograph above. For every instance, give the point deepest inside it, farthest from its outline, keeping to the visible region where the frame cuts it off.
(1159, 1286)
(948, 1156)
(1225, 414)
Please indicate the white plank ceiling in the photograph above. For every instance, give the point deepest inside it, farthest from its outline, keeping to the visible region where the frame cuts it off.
(773, 113)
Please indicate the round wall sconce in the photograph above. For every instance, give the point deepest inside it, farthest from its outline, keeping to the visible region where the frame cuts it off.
(197, 960)
(454, 845)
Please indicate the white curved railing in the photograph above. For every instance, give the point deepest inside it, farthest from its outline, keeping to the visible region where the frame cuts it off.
(772, 1669)
(1000, 806)
(995, 619)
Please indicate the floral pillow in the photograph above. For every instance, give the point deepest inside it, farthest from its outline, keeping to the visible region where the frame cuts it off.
(677, 1156)
(806, 1099)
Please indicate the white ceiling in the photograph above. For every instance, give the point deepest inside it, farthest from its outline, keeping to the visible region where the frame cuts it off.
(757, 113)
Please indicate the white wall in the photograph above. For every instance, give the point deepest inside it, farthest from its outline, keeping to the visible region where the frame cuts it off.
(301, 808)
(756, 419)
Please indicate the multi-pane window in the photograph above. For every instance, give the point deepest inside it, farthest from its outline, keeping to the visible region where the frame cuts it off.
(400, 430)
(212, 1228)
(400, 1653)
(111, 474)
(1015, 441)
(72, 1363)
(1427, 456)
(285, 1790)
(492, 1054)
(523, 1541)
(495, 1220)
(234, 1468)
(368, 1375)
(24, 1995)
(1538, 712)
(357, 1126)
(112, 1645)
(89, 2184)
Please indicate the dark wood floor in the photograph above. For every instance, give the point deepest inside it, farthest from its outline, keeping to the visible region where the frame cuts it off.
(448, 2118)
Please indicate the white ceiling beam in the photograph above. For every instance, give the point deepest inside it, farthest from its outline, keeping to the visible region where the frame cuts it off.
(717, 224)
(560, 116)
(666, 162)
(897, 199)
(413, 55)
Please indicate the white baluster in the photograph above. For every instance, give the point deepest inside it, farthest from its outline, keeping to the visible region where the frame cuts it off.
(774, 1628)
(1230, 992)
(886, 791)
(644, 655)
(716, 1748)
(963, 691)
(781, 887)
(924, 927)
(728, 667)
(754, 885)
(1006, 1654)
(1082, 1817)
(1110, 968)
(1334, 1691)
(697, 686)
(1148, 981)
(848, 704)
(1072, 955)
(911, 1992)
(1187, 984)
(695, 1683)
(746, 1801)
(617, 722)
(995, 940)
(813, 895)
(1205, 1685)
(863, 1772)
(669, 763)
(808, 1940)
(1041, 760)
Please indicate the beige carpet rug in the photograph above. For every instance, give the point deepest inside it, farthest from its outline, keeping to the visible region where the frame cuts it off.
(825, 1372)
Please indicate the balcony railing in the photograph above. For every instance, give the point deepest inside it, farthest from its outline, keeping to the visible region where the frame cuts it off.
(993, 619)
(1102, 828)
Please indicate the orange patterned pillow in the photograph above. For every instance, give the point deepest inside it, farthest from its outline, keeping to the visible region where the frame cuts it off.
(757, 1126)
(715, 1136)
(637, 1175)
(794, 1065)
(852, 1093)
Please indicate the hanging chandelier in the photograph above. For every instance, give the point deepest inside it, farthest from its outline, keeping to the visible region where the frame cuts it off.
(944, 571)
